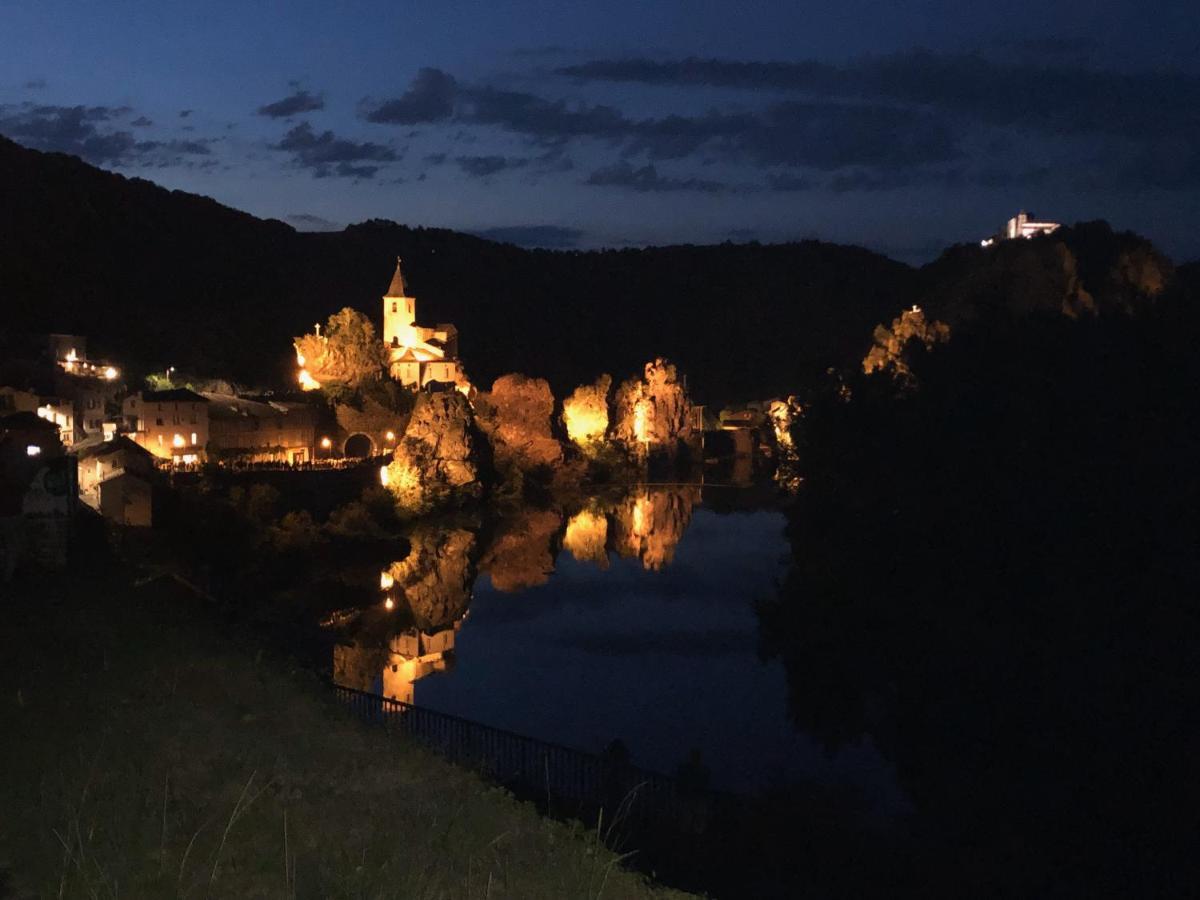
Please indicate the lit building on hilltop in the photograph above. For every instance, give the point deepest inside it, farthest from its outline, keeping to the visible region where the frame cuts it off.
(1021, 226)
(417, 355)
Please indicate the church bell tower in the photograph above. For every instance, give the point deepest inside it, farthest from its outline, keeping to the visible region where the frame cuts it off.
(399, 310)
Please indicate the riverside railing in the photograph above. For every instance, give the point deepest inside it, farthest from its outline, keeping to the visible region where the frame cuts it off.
(568, 781)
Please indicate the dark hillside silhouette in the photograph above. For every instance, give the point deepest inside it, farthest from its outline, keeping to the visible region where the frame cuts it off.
(165, 277)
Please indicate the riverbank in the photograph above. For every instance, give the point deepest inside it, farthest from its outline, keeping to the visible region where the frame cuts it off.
(150, 752)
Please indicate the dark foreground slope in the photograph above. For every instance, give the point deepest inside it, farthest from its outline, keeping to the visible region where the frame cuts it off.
(163, 277)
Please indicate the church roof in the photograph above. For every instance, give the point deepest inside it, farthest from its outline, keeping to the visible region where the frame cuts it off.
(397, 288)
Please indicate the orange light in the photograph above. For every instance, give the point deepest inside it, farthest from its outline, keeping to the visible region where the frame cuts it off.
(326, 443)
(389, 603)
(391, 435)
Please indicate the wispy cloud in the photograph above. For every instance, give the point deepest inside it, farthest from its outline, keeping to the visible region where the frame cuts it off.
(327, 155)
(647, 179)
(291, 105)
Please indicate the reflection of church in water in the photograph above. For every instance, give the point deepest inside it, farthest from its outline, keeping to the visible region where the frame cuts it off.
(411, 633)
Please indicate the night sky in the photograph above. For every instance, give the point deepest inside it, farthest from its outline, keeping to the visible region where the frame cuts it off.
(903, 126)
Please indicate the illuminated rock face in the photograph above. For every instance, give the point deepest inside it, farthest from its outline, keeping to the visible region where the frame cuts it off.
(437, 460)
(887, 355)
(653, 412)
(347, 353)
(522, 555)
(585, 413)
(587, 536)
(649, 524)
(515, 416)
(435, 579)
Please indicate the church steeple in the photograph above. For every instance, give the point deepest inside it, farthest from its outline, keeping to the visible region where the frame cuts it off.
(397, 288)
(399, 310)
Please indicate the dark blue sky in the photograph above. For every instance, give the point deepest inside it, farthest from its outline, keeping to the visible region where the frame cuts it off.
(903, 127)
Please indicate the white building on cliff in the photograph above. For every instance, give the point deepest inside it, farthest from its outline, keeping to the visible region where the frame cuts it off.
(417, 355)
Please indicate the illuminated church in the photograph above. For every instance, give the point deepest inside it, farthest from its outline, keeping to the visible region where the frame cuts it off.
(417, 355)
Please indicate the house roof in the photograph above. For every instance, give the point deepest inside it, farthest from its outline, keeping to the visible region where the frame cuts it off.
(116, 445)
(397, 288)
(175, 395)
(26, 421)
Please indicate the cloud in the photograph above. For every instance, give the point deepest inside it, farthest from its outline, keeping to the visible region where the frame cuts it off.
(430, 98)
(142, 122)
(328, 155)
(647, 179)
(184, 113)
(35, 84)
(293, 104)
(88, 132)
(786, 181)
(825, 135)
(310, 222)
(482, 166)
(1055, 98)
(550, 237)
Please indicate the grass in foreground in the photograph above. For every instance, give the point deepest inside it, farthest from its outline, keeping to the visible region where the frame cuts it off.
(145, 754)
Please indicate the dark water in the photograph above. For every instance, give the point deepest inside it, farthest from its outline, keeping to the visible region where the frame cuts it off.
(632, 619)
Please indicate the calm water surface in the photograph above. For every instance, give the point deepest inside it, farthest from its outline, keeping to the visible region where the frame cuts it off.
(631, 619)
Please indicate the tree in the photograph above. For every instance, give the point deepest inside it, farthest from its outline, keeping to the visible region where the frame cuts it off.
(348, 354)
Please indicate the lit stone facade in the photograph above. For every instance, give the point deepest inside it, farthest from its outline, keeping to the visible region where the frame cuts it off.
(261, 431)
(173, 425)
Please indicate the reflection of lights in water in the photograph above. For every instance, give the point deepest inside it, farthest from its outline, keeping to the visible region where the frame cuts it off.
(386, 580)
(641, 509)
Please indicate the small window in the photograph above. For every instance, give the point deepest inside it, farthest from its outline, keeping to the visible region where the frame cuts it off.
(159, 421)
(393, 306)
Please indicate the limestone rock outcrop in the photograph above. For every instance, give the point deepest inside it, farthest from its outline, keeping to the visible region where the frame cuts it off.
(653, 412)
(887, 353)
(585, 413)
(438, 459)
(515, 417)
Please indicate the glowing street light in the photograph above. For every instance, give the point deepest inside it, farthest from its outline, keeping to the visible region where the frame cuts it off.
(326, 443)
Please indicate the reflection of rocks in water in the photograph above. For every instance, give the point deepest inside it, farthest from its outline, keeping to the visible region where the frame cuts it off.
(435, 579)
(522, 554)
(586, 537)
(649, 523)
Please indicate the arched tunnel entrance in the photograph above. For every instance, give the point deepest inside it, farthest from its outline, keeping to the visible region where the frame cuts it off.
(358, 446)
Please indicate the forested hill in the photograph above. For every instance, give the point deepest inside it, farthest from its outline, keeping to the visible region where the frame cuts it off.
(157, 277)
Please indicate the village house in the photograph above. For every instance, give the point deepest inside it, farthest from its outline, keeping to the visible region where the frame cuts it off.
(101, 461)
(259, 431)
(172, 424)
